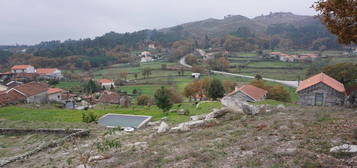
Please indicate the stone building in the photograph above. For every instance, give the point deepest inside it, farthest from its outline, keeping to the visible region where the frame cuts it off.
(321, 90)
(246, 93)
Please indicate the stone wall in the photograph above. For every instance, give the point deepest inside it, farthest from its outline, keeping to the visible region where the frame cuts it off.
(331, 96)
(235, 100)
(38, 99)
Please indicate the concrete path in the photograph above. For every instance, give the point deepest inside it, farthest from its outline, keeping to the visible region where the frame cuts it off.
(293, 84)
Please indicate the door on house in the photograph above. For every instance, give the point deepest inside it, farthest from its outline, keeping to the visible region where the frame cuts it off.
(319, 99)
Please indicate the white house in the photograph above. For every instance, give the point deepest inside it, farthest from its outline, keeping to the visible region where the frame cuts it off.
(145, 53)
(49, 73)
(3, 88)
(152, 46)
(23, 69)
(55, 94)
(196, 75)
(106, 83)
(146, 59)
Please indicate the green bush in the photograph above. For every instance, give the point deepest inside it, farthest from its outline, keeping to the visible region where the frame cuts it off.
(89, 117)
(144, 100)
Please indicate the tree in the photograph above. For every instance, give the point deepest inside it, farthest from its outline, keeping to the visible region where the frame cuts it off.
(215, 89)
(258, 77)
(340, 18)
(136, 75)
(343, 72)
(162, 99)
(223, 63)
(144, 100)
(175, 97)
(91, 87)
(191, 59)
(123, 75)
(197, 69)
(279, 93)
(229, 86)
(146, 72)
(87, 65)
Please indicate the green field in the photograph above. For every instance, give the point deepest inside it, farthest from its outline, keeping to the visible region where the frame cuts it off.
(68, 85)
(46, 114)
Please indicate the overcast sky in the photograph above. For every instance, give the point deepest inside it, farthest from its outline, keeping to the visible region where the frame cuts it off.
(32, 21)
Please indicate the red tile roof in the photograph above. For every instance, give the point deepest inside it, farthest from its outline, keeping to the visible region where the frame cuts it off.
(31, 89)
(110, 97)
(11, 97)
(54, 90)
(105, 81)
(45, 71)
(253, 92)
(321, 77)
(20, 67)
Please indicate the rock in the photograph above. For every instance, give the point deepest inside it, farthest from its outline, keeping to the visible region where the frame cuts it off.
(216, 113)
(344, 148)
(198, 117)
(286, 151)
(95, 158)
(139, 145)
(281, 107)
(183, 112)
(246, 153)
(192, 124)
(155, 123)
(186, 126)
(163, 119)
(82, 166)
(173, 111)
(232, 102)
(181, 128)
(250, 109)
(283, 127)
(163, 127)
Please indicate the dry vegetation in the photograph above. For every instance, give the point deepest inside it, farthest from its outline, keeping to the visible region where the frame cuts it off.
(291, 137)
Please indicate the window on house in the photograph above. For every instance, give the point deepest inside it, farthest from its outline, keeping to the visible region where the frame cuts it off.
(319, 99)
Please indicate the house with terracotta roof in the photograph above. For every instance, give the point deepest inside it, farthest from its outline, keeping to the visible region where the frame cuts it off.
(23, 69)
(49, 73)
(55, 94)
(106, 83)
(248, 93)
(34, 92)
(321, 90)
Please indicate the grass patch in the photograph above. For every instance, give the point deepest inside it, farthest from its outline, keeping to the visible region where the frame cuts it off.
(46, 114)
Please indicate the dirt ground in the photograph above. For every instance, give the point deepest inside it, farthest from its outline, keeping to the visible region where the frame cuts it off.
(288, 137)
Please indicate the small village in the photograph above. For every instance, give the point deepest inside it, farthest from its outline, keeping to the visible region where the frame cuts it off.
(228, 84)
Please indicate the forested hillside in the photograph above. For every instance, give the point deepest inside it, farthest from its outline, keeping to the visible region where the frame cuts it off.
(233, 33)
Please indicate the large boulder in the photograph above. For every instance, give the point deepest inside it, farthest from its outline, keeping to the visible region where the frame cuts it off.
(198, 117)
(216, 113)
(345, 148)
(163, 127)
(186, 126)
(183, 112)
(232, 102)
(250, 109)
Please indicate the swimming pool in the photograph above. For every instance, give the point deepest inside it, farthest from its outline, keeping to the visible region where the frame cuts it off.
(124, 120)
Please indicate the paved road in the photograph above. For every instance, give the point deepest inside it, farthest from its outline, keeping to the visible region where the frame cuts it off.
(293, 84)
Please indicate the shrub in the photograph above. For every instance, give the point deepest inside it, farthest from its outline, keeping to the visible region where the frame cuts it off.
(144, 100)
(215, 89)
(89, 117)
(162, 99)
(279, 93)
(175, 97)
